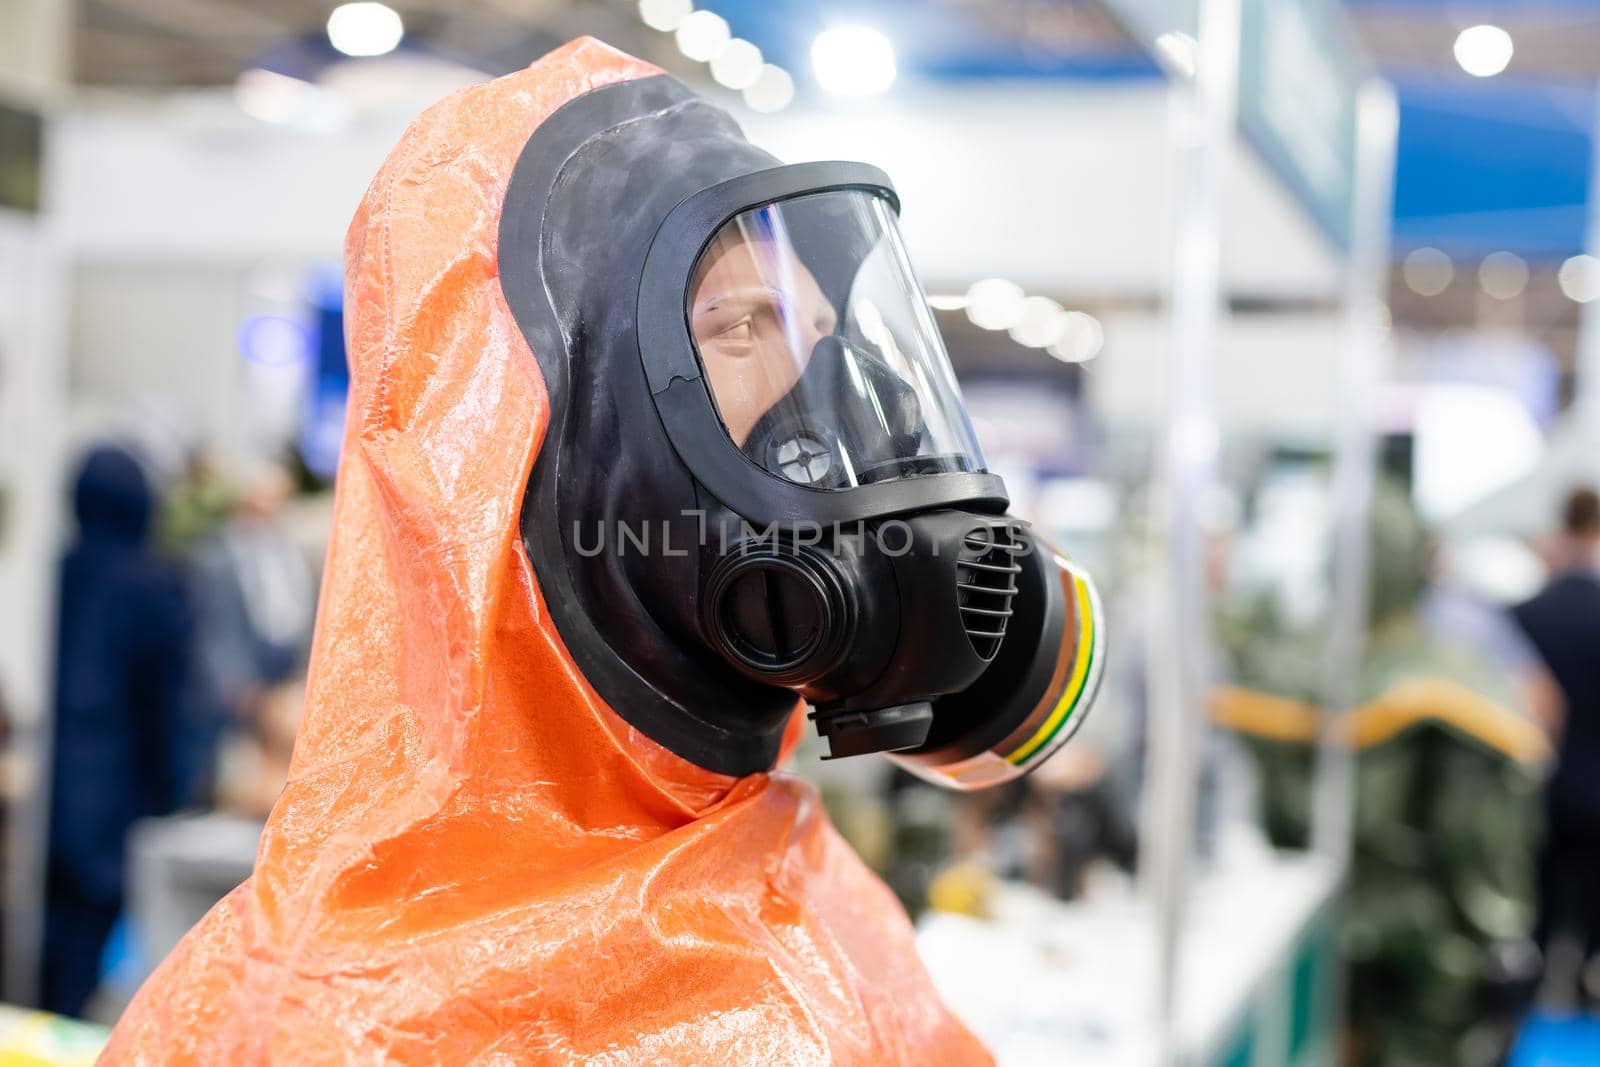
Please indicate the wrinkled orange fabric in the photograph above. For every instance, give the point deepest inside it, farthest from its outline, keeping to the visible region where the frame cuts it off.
(475, 860)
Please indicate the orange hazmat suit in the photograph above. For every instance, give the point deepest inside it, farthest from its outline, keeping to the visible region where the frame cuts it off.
(475, 859)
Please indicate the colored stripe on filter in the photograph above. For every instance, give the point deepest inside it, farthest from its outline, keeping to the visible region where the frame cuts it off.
(1078, 681)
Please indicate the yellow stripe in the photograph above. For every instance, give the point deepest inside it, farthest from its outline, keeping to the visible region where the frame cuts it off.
(1080, 675)
(1451, 704)
(1397, 709)
(1264, 715)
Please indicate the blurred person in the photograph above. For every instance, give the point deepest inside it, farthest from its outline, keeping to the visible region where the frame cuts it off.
(1563, 621)
(120, 750)
(1438, 912)
(1052, 830)
(984, 845)
(1075, 817)
(254, 598)
(195, 506)
(256, 765)
(1453, 613)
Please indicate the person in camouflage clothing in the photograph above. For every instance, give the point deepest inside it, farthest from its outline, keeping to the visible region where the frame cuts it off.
(1439, 907)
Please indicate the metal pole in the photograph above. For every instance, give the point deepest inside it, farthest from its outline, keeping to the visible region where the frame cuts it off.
(1360, 370)
(1177, 667)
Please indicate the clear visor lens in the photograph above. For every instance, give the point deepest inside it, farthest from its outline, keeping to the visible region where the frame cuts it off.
(822, 356)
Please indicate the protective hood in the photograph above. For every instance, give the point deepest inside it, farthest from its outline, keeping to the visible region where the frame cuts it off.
(475, 859)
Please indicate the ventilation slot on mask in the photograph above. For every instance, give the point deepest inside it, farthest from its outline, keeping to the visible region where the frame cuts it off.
(986, 582)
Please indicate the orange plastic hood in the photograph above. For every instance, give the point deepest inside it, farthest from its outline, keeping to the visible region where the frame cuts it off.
(475, 860)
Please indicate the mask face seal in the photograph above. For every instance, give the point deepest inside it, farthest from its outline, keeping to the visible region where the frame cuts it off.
(766, 388)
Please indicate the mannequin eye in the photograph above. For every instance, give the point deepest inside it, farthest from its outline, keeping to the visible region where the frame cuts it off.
(738, 333)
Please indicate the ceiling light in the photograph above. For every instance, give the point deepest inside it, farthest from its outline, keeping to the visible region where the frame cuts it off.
(365, 29)
(1081, 338)
(995, 304)
(278, 98)
(664, 15)
(702, 36)
(853, 61)
(947, 301)
(1503, 275)
(1580, 278)
(771, 91)
(1427, 271)
(1179, 52)
(738, 66)
(270, 96)
(1040, 324)
(1483, 51)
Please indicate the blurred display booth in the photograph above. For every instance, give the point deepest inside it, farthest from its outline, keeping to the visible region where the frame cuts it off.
(1227, 222)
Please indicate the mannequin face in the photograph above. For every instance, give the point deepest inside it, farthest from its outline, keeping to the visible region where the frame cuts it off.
(756, 313)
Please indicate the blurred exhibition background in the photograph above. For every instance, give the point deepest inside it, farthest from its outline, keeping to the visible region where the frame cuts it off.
(1277, 314)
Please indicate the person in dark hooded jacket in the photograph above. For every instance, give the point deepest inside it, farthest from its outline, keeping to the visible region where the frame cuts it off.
(121, 662)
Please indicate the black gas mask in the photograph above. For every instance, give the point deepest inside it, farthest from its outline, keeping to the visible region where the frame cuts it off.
(759, 479)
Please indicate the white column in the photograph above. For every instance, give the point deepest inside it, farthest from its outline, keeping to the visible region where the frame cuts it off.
(1361, 368)
(1180, 634)
(35, 57)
